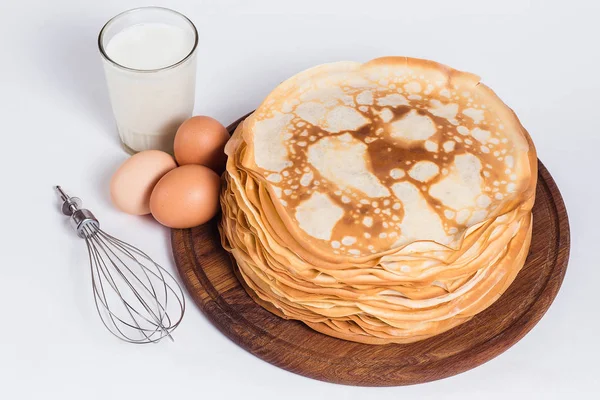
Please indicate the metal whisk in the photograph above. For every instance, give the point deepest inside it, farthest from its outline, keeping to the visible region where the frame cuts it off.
(138, 300)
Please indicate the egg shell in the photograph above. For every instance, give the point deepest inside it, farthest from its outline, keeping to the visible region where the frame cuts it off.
(132, 184)
(185, 197)
(201, 140)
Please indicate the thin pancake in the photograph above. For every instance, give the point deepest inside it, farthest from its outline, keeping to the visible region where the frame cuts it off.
(380, 202)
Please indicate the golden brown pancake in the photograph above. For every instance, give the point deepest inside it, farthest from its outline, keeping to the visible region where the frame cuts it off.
(380, 202)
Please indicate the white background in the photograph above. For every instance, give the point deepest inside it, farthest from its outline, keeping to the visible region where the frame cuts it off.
(542, 58)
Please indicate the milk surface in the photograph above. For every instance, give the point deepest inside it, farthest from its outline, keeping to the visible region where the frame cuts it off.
(150, 46)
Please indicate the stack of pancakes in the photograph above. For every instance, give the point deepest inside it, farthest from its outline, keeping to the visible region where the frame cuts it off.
(383, 202)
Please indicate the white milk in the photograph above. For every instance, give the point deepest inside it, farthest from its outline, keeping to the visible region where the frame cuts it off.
(149, 46)
(153, 94)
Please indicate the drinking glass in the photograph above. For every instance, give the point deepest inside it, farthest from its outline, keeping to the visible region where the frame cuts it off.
(149, 103)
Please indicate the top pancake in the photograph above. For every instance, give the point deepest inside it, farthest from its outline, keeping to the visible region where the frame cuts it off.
(361, 159)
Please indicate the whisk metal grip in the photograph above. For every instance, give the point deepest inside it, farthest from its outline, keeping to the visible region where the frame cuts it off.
(81, 218)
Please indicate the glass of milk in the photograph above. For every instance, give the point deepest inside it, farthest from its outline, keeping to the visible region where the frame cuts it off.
(149, 57)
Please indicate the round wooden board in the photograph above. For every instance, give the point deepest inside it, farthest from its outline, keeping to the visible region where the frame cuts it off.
(208, 273)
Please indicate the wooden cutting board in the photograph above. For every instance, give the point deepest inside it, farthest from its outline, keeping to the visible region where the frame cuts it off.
(208, 273)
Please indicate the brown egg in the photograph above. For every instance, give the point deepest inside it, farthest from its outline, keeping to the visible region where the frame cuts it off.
(185, 197)
(132, 184)
(201, 140)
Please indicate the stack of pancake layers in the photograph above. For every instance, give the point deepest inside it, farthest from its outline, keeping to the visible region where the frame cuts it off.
(383, 202)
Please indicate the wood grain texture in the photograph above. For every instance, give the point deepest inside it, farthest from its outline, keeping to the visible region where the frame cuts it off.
(208, 272)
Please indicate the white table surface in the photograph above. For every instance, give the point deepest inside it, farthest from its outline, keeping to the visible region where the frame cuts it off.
(542, 58)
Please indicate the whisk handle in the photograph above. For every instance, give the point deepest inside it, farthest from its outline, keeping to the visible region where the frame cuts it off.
(84, 222)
